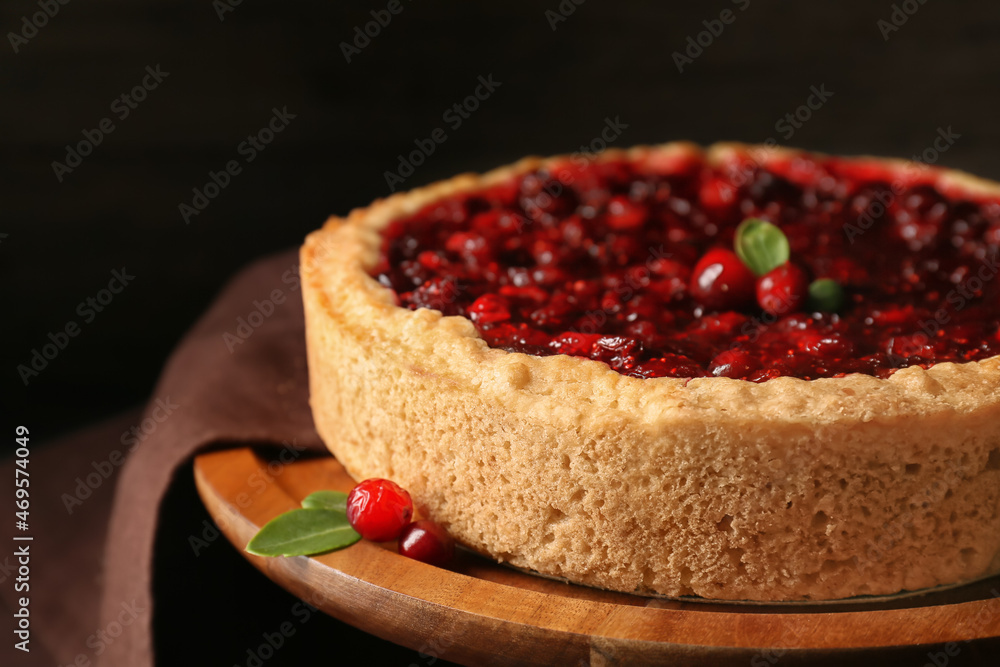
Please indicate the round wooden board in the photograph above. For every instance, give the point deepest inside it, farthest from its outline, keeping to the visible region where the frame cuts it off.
(479, 613)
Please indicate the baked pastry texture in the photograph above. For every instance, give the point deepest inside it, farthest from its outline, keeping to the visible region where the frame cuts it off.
(786, 489)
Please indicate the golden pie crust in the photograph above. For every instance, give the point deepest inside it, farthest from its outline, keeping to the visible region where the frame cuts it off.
(726, 489)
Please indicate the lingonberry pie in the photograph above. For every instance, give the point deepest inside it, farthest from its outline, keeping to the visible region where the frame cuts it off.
(738, 373)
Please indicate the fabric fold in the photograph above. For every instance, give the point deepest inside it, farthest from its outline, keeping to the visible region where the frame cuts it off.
(239, 376)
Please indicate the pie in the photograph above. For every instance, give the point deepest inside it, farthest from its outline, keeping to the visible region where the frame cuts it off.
(537, 355)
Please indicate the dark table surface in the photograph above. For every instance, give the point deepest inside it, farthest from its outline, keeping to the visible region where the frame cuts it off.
(211, 74)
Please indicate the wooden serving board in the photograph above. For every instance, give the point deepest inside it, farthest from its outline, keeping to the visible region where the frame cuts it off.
(479, 613)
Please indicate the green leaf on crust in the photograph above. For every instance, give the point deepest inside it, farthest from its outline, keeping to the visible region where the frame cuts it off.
(826, 295)
(760, 245)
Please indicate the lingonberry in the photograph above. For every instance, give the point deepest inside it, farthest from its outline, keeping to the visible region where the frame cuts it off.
(379, 509)
(427, 542)
(437, 293)
(721, 281)
(733, 364)
(619, 248)
(470, 246)
(720, 324)
(716, 194)
(825, 344)
(574, 344)
(647, 332)
(619, 352)
(556, 313)
(489, 309)
(669, 365)
(783, 290)
(624, 215)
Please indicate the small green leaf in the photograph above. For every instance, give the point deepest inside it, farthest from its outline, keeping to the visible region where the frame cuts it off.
(326, 500)
(303, 532)
(826, 295)
(761, 245)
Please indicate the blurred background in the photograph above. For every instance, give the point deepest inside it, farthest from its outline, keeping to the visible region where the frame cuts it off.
(150, 149)
(113, 113)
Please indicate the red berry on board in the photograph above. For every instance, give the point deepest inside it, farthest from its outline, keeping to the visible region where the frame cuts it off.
(783, 290)
(379, 509)
(721, 281)
(427, 542)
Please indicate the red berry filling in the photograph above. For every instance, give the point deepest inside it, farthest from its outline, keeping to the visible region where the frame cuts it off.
(721, 281)
(630, 264)
(783, 290)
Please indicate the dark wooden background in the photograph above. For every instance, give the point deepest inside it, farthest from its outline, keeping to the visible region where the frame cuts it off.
(607, 59)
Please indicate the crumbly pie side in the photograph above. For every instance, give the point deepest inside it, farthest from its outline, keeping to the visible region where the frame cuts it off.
(788, 489)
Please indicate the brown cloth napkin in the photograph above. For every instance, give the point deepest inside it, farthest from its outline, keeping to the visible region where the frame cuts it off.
(236, 377)
(67, 543)
(127, 568)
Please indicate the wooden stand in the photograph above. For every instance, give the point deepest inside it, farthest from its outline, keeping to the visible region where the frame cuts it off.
(479, 613)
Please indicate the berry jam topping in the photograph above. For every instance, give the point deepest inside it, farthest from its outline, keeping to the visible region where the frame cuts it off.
(783, 289)
(379, 509)
(721, 281)
(864, 269)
